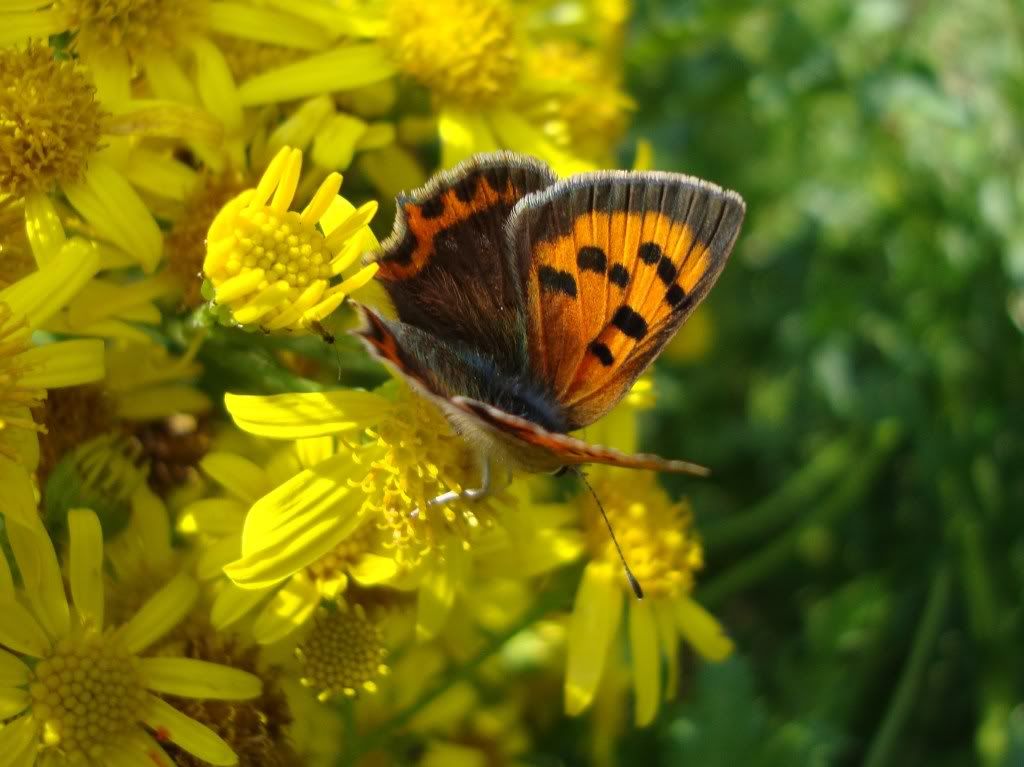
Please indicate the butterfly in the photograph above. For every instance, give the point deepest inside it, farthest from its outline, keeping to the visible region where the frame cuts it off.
(527, 305)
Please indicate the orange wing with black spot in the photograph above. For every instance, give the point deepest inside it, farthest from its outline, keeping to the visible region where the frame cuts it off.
(446, 266)
(612, 263)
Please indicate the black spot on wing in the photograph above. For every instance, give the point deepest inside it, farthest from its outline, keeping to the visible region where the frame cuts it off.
(667, 271)
(433, 207)
(619, 275)
(465, 190)
(602, 352)
(591, 259)
(556, 281)
(629, 322)
(402, 252)
(675, 295)
(650, 253)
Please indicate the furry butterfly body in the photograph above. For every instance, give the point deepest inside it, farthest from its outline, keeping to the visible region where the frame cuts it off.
(527, 305)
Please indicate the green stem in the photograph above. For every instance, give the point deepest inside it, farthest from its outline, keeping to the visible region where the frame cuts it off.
(882, 747)
(774, 555)
(787, 501)
(380, 735)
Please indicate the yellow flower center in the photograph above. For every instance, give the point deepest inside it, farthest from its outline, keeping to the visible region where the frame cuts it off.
(135, 26)
(186, 242)
(463, 50)
(282, 245)
(15, 400)
(87, 694)
(657, 536)
(414, 457)
(50, 122)
(343, 654)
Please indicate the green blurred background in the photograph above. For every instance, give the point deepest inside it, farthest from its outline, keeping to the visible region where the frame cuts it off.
(859, 398)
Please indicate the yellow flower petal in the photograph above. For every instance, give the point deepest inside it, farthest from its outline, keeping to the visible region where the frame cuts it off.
(212, 516)
(463, 133)
(372, 569)
(41, 576)
(152, 525)
(335, 142)
(643, 646)
(437, 592)
(191, 678)
(160, 174)
(18, 503)
(20, 631)
(160, 613)
(664, 616)
(18, 742)
(42, 224)
(517, 134)
(296, 416)
(327, 515)
(233, 603)
(216, 84)
(13, 701)
(344, 68)
(197, 739)
(702, 630)
(86, 565)
(40, 295)
(239, 476)
(295, 503)
(594, 622)
(218, 554)
(110, 204)
(13, 672)
(65, 363)
(161, 401)
(265, 25)
(290, 607)
(142, 742)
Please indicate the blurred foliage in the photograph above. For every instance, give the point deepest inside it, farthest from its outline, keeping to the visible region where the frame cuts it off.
(860, 402)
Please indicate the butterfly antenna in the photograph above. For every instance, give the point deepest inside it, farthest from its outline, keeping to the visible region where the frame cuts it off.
(633, 582)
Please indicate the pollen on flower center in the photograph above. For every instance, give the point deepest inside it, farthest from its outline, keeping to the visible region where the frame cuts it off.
(656, 535)
(133, 25)
(50, 122)
(343, 654)
(86, 694)
(463, 50)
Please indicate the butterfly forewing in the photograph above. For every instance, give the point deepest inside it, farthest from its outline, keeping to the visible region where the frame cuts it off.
(612, 263)
(445, 265)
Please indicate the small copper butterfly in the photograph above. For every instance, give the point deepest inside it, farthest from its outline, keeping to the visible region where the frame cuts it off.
(528, 305)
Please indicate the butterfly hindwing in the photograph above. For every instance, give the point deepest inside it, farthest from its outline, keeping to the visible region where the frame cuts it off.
(612, 263)
(446, 266)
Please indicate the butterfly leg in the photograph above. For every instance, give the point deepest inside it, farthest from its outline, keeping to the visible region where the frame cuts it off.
(471, 494)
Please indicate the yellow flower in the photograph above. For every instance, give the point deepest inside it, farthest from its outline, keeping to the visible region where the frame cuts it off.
(397, 455)
(272, 267)
(276, 610)
(56, 131)
(660, 546)
(87, 693)
(27, 371)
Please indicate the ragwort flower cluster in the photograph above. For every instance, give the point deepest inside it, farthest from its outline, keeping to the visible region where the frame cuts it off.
(226, 537)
